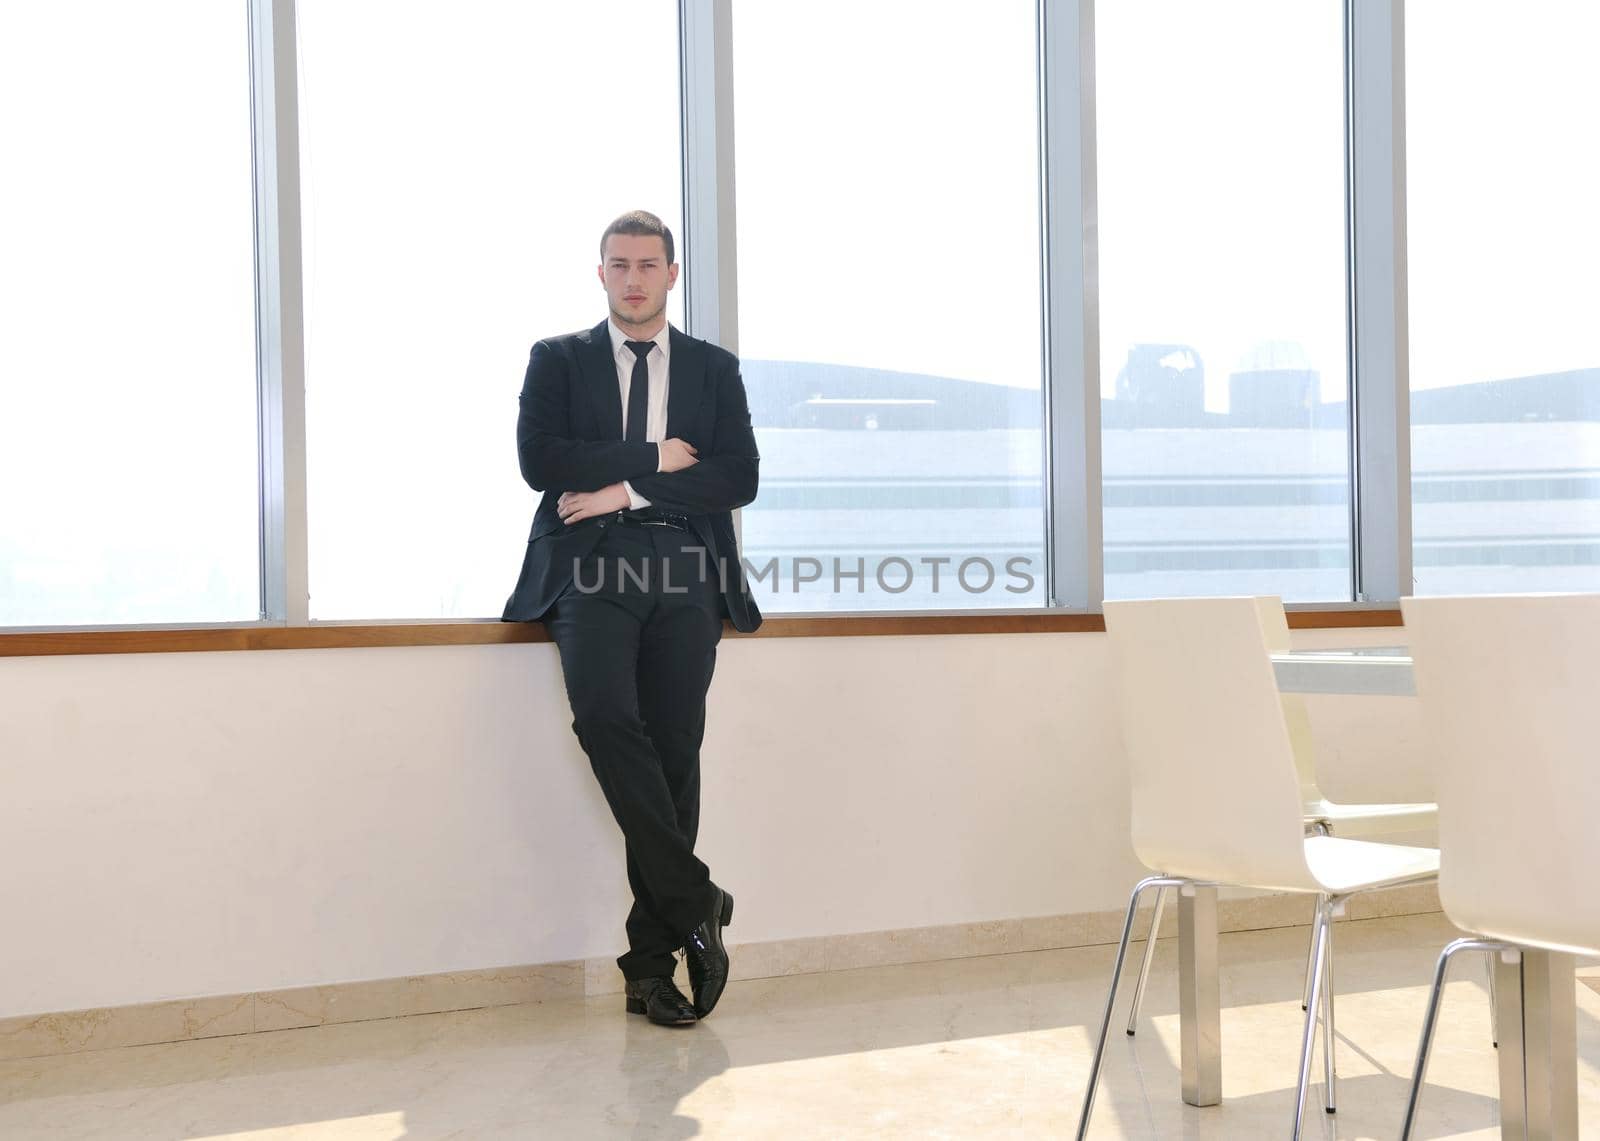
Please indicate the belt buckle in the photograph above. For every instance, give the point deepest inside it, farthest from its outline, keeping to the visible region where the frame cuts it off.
(671, 520)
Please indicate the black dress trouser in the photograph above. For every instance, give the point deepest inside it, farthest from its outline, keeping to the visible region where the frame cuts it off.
(637, 660)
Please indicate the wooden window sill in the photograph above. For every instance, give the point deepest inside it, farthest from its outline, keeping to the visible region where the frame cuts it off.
(489, 632)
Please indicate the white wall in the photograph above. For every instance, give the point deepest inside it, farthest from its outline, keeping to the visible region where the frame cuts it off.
(175, 825)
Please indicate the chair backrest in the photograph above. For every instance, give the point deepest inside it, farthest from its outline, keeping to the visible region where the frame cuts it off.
(1275, 629)
(1512, 721)
(1215, 792)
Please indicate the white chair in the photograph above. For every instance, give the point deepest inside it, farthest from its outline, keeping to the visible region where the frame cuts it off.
(1507, 687)
(1321, 814)
(1216, 794)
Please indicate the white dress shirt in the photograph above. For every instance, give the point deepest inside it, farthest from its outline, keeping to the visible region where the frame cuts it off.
(655, 425)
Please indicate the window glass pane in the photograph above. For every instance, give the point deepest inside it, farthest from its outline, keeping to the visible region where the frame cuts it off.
(888, 214)
(1222, 298)
(1502, 176)
(457, 175)
(128, 461)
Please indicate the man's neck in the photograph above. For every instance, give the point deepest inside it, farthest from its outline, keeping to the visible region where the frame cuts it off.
(646, 332)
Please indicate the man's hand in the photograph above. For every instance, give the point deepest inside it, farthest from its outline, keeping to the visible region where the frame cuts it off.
(576, 506)
(677, 454)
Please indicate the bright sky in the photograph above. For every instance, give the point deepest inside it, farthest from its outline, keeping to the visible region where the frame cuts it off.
(459, 167)
(888, 216)
(1503, 175)
(888, 197)
(127, 296)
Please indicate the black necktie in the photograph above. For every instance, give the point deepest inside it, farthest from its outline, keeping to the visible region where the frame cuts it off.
(638, 392)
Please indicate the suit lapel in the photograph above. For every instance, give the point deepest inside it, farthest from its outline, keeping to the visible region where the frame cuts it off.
(686, 377)
(599, 367)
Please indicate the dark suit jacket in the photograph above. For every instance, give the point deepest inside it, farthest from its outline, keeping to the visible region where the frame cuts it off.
(569, 438)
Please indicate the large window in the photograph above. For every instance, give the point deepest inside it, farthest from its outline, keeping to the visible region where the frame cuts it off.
(458, 167)
(1222, 298)
(889, 270)
(912, 264)
(1504, 243)
(128, 460)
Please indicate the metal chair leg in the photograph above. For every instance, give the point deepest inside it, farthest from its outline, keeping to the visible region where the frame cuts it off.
(1111, 996)
(1318, 829)
(1430, 1021)
(1330, 1071)
(1311, 950)
(1494, 1005)
(1144, 967)
(1319, 945)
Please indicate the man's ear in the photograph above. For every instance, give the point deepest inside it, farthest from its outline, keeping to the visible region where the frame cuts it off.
(600, 272)
(672, 275)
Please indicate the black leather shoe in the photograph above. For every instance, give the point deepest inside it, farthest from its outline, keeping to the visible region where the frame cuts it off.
(708, 958)
(659, 1000)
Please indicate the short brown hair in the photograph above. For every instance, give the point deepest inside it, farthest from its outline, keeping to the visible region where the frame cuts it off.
(639, 223)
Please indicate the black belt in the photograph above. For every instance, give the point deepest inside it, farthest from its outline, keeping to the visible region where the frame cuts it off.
(653, 518)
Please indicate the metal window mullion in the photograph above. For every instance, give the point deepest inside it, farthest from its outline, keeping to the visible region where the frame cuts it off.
(280, 342)
(710, 239)
(1074, 528)
(711, 304)
(1380, 384)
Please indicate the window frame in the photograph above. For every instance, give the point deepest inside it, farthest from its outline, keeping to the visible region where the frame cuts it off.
(1378, 408)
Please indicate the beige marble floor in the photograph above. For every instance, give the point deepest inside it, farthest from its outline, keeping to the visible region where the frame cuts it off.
(991, 1047)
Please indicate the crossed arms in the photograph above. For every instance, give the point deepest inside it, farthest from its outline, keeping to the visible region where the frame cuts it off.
(721, 477)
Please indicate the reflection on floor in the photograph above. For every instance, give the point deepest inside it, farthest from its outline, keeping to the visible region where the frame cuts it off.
(991, 1047)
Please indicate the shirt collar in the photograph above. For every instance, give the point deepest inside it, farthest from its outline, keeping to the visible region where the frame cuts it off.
(619, 340)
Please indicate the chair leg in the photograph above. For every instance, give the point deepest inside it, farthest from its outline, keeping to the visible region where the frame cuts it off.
(1144, 967)
(1320, 829)
(1111, 996)
(1430, 1021)
(1494, 1005)
(1319, 948)
(1330, 1071)
(1311, 950)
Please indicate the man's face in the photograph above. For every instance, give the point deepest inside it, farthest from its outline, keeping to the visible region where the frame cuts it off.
(637, 277)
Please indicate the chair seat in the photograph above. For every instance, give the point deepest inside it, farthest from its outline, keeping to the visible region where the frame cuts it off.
(1351, 820)
(1343, 866)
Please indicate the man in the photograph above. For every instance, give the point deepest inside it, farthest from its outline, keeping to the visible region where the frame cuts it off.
(640, 439)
